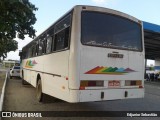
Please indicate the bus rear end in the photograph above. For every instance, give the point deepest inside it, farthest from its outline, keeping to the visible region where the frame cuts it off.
(110, 56)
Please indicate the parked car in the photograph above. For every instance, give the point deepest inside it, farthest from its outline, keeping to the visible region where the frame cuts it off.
(15, 71)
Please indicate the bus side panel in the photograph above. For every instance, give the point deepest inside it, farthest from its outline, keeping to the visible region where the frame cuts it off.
(26, 75)
(74, 59)
(56, 83)
(53, 70)
(58, 87)
(34, 78)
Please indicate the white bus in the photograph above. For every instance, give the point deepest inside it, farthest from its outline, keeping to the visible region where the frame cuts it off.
(89, 54)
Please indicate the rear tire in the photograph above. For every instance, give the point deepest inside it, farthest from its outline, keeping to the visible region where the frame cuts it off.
(39, 94)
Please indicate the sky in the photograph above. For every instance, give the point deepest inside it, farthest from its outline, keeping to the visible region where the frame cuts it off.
(50, 10)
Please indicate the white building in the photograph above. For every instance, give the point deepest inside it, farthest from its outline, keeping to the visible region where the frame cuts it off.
(9, 63)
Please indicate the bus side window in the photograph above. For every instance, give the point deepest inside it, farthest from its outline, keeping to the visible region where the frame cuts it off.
(24, 54)
(61, 40)
(29, 52)
(66, 42)
(43, 46)
(48, 45)
(53, 43)
(61, 36)
(40, 50)
(37, 48)
(33, 51)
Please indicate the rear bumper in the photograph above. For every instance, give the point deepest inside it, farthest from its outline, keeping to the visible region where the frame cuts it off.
(106, 94)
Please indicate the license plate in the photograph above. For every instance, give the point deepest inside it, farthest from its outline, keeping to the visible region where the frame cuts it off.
(114, 83)
(18, 71)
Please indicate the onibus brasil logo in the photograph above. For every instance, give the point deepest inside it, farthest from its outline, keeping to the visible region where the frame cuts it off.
(30, 63)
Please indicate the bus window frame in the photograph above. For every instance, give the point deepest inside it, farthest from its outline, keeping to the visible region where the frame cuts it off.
(113, 47)
(64, 29)
(53, 37)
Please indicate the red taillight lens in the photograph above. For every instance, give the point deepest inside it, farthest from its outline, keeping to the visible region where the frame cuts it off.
(132, 83)
(91, 83)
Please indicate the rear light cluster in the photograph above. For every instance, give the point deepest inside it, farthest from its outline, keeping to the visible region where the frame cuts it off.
(86, 83)
(134, 83)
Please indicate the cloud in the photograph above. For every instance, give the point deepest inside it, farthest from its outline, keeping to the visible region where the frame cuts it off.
(100, 1)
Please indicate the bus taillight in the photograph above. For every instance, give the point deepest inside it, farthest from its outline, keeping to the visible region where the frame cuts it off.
(85, 83)
(133, 83)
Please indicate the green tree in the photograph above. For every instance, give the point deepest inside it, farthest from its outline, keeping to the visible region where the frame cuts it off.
(7, 46)
(16, 20)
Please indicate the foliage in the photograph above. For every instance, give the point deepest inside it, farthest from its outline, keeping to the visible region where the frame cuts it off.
(7, 46)
(17, 16)
(152, 68)
(16, 20)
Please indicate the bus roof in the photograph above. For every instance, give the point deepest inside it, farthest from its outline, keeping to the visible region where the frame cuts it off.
(48, 28)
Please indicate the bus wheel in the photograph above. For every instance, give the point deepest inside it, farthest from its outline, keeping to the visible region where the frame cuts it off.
(39, 94)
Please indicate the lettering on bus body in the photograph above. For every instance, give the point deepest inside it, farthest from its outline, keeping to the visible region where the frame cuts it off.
(115, 55)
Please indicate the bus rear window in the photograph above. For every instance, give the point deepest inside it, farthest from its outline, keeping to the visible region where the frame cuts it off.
(111, 31)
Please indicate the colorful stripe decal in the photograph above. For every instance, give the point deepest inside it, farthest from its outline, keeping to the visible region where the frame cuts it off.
(109, 70)
(30, 63)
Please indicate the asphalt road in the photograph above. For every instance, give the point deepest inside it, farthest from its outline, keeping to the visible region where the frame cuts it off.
(22, 98)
